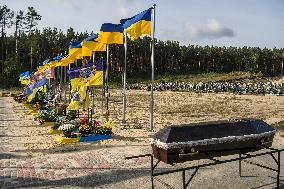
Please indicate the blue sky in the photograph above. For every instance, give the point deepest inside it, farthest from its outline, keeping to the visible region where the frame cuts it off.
(239, 23)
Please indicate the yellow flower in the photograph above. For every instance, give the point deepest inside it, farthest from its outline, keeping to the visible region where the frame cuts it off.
(108, 124)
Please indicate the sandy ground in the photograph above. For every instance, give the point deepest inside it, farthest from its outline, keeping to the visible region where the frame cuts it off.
(170, 108)
(132, 138)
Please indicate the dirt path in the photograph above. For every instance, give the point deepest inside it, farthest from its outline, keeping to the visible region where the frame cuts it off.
(29, 158)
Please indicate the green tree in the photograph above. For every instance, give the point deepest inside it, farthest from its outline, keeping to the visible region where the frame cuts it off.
(31, 19)
(6, 16)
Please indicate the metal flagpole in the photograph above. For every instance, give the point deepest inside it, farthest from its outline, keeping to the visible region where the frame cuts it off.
(65, 83)
(69, 67)
(106, 87)
(92, 93)
(124, 78)
(61, 82)
(152, 65)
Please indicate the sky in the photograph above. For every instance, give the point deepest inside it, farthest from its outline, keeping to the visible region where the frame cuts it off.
(254, 23)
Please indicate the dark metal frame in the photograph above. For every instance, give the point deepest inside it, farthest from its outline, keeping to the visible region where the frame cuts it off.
(242, 158)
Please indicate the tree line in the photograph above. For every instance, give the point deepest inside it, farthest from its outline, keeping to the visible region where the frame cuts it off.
(24, 46)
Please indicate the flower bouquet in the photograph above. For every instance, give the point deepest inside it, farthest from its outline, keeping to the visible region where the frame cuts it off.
(46, 116)
(71, 115)
(85, 128)
(60, 109)
(66, 128)
(106, 129)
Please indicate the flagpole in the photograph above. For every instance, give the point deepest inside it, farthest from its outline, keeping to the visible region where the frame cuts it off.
(152, 65)
(124, 78)
(65, 82)
(106, 88)
(92, 93)
(61, 82)
(69, 84)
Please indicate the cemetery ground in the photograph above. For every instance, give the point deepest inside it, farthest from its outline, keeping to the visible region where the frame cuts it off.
(31, 158)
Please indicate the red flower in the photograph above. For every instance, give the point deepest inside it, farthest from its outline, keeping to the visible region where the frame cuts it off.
(83, 120)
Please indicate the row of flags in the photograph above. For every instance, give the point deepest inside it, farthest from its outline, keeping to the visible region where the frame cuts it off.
(91, 75)
(82, 78)
(109, 34)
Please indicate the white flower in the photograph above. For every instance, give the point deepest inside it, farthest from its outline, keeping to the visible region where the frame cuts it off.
(66, 127)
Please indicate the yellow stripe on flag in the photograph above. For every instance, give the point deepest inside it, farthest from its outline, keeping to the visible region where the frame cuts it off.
(96, 80)
(75, 83)
(74, 105)
(110, 37)
(139, 28)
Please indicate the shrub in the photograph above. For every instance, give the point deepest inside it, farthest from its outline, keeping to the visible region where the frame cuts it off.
(45, 115)
(67, 129)
(85, 129)
(71, 114)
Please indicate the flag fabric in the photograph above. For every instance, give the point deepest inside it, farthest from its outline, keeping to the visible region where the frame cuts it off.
(34, 88)
(90, 44)
(88, 47)
(83, 77)
(57, 61)
(24, 74)
(25, 81)
(25, 78)
(48, 73)
(96, 79)
(40, 83)
(32, 95)
(75, 83)
(75, 48)
(74, 104)
(74, 77)
(35, 85)
(82, 90)
(138, 24)
(111, 34)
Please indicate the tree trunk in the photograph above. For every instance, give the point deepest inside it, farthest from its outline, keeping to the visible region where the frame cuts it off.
(31, 58)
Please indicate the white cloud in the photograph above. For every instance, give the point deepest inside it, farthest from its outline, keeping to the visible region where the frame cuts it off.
(213, 29)
(128, 7)
(72, 4)
(192, 33)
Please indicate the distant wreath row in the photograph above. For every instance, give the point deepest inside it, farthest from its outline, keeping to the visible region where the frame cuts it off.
(216, 87)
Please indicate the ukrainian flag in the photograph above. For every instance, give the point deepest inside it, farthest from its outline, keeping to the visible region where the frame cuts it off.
(34, 88)
(111, 34)
(90, 44)
(75, 48)
(25, 74)
(97, 77)
(138, 24)
(56, 61)
(25, 78)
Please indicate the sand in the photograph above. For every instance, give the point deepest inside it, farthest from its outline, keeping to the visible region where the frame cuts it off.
(170, 108)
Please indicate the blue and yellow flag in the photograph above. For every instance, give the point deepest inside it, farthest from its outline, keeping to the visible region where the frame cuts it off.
(75, 102)
(25, 78)
(90, 45)
(138, 24)
(111, 34)
(33, 88)
(75, 48)
(24, 74)
(96, 79)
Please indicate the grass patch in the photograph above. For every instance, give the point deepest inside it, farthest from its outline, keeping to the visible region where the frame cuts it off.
(194, 77)
(210, 77)
(279, 125)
